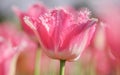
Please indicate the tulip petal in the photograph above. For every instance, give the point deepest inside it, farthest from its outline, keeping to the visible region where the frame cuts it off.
(43, 35)
(34, 11)
(74, 31)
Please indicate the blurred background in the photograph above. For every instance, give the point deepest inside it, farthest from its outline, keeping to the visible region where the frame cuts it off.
(97, 59)
(6, 12)
(96, 6)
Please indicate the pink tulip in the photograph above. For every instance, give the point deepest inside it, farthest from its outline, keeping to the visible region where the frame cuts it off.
(102, 62)
(63, 33)
(12, 43)
(110, 14)
(34, 11)
(100, 52)
(5, 49)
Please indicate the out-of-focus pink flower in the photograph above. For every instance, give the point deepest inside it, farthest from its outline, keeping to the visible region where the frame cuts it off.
(113, 35)
(63, 33)
(100, 52)
(5, 46)
(109, 12)
(102, 62)
(12, 43)
(34, 11)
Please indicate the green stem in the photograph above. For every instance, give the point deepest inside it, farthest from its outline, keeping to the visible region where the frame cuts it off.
(62, 67)
(37, 63)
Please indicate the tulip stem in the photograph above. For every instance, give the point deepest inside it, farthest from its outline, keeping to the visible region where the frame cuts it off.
(62, 67)
(37, 63)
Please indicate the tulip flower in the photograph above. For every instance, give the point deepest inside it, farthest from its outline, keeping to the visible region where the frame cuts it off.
(6, 58)
(60, 33)
(112, 24)
(34, 11)
(63, 33)
(100, 52)
(113, 35)
(11, 45)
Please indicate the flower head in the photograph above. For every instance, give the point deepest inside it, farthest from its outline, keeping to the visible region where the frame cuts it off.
(34, 11)
(11, 42)
(63, 32)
